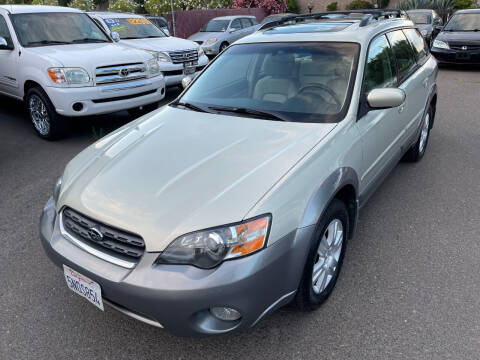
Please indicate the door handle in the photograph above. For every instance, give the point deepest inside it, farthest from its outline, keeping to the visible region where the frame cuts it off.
(401, 108)
(425, 83)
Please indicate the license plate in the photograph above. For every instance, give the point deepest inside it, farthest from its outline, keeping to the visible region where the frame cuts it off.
(83, 286)
(463, 56)
(189, 70)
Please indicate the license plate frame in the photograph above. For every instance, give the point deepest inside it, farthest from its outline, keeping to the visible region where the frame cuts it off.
(189, 68)
(83, 286)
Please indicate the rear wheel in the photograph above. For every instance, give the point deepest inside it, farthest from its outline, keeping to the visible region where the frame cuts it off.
(142, 110)
(325, 258)
(417, 151)
(47, 123)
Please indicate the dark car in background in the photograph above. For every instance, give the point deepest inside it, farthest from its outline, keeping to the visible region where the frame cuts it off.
(428, 22)
(160, 22)
(459, 41)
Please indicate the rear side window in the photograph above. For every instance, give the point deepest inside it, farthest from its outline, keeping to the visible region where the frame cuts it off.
(403, 52)
(380, 70)
(418, 44)
(246, 23)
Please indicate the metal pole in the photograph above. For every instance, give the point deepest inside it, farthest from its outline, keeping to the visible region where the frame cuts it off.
(173, 19)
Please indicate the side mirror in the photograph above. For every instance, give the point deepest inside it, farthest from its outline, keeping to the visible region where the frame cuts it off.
(4, 44)
(385, 98)
(115, 36)
(186, 81)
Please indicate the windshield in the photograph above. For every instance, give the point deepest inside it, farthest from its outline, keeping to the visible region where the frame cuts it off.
(303, 82)
(464, 22)
(134, 28)
(43, 29)
(216, 26)
(420, 18)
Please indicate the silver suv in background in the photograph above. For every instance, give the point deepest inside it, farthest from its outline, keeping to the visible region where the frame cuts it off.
(261, 167)
(220, 32)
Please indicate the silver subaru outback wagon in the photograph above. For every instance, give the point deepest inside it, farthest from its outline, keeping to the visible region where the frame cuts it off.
(239, 197)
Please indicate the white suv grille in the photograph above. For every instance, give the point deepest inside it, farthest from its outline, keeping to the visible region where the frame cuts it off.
(120, 73)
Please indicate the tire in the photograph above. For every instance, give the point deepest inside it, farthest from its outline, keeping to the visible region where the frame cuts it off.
(142, 110)
(223, 46)
(47, 123)
(416, 152)
(311, 294)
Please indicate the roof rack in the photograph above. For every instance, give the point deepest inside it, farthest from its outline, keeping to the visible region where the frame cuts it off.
(367, 16)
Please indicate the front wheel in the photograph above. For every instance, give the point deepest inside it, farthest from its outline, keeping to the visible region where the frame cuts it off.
(47, 123)
(223, 46)
(325, 258)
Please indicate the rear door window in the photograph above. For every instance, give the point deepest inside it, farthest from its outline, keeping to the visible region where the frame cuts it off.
(4, 32)
(246, 23)
(380, 69)
(403, 52)
(418, 44)
(236, 24)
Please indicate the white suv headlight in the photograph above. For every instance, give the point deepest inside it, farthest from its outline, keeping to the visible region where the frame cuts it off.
(440, 44)
(153, 69)
(160, 55)
(70, 76)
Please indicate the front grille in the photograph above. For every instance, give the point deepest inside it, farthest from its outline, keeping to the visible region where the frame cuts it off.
(114, 242)
(125, 97)
(183, 56)
(469, 47)
(120, 73)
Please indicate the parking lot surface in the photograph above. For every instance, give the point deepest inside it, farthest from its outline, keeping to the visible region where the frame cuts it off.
(409, 287)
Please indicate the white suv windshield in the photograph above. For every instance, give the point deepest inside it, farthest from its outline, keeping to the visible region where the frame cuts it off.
(134, 28)
(43, 29)
(304, 82)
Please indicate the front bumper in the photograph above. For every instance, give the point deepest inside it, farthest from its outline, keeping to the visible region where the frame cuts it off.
(449, 56)
(178, 297)
(174, 72)
(212, 49)
(105, 99)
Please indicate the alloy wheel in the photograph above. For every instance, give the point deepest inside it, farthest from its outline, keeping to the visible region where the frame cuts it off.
(39, 114)
(325, 265)
(424, 134)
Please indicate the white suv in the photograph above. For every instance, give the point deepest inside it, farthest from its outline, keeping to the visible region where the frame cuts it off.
(176, 57)
(62, 64)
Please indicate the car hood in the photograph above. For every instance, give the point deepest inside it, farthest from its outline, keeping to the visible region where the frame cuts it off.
(178, 171)
(204, 36)
(161, 44)
(100, 54)
(460, 37)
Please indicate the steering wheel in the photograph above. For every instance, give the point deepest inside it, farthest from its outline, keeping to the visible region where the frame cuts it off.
(324, 88)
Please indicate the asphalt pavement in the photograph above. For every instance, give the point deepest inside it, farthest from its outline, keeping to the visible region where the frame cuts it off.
(409, 288)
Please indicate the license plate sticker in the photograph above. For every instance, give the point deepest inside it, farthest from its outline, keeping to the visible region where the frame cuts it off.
(83, 286)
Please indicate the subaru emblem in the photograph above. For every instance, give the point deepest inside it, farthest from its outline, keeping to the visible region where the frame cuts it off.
(95, 234)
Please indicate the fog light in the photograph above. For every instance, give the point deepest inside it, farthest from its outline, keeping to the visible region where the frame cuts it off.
(225, 313)
(77, 107)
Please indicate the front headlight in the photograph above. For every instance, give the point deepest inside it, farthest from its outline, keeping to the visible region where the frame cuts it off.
(424, 32)
(163, 56)
(70, 76)
(211, 41)
(153, 68)
(209, 248)
(440, 44)
(200, 52)
(56, 190)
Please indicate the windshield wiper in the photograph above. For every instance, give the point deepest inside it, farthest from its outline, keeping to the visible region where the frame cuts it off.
(190, 106)
(88, 40)
(48, 42)
(269, 115)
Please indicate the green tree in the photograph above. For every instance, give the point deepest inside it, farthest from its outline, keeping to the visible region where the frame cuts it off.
(463, 4)
(333, 6)
(122, 5)
(359, 4)
(292, 6)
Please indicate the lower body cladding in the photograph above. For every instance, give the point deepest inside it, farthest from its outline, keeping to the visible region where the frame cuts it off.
(445, 56)
(179, 298)
(108, 98)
